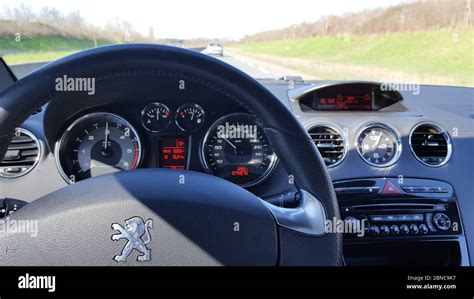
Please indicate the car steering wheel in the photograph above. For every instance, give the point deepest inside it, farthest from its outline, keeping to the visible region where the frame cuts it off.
(170, 217)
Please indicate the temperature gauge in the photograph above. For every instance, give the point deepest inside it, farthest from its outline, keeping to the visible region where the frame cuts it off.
(189, 117)
(156, 117)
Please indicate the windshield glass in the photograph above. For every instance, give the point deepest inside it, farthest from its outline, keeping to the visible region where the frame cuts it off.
(379, 40)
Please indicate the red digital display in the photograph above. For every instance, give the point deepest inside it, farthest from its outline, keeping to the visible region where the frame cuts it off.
(339, 102)
(173, 153)
(240, 171)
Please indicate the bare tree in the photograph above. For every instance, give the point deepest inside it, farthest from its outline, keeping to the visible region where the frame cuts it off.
(468, 13)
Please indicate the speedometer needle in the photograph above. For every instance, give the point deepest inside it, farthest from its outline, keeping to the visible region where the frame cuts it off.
(229, 143)
(106, 134)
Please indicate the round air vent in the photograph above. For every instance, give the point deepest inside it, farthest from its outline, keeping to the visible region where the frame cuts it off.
(430, 144)
(22, 155)
(330, 142)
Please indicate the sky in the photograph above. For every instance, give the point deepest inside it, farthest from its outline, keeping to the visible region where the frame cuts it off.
(204, 18)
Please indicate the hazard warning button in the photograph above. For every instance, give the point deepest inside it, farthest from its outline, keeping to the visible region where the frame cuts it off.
(390, 188)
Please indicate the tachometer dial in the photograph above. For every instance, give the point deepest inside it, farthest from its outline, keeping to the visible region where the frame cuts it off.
(97, 144)
(156, 117)
(190, 117)
(235, 148)
(378, 145)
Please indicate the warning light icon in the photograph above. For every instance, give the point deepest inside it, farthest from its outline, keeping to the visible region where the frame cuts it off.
(390, 188)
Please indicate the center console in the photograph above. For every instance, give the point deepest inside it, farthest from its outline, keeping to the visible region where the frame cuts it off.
(403, 221)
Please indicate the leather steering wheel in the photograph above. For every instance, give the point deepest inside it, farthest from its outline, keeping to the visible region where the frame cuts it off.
(193, 223)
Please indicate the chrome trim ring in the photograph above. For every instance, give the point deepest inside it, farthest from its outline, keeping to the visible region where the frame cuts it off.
(264, 176)
(397, 139)
(443, 132)
(59, 143)
(195, 106)
(142, 114)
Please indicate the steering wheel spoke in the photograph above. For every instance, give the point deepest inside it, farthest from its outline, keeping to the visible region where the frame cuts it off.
(308, 217)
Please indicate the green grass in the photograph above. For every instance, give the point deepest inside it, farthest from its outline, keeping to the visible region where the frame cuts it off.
(26, 57)
(42, 48)
(437, 53)
(47, 43)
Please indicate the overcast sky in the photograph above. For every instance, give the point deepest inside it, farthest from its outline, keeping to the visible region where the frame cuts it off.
(204, 18)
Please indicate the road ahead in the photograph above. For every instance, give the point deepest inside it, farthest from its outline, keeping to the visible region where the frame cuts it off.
(254, 67)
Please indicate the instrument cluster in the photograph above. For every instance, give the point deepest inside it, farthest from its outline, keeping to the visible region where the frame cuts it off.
(228, 145)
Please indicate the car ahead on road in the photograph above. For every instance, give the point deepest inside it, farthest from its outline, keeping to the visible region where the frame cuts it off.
(214, 48)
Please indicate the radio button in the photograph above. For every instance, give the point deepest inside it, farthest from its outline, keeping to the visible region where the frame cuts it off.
(442, 221)
(377, 218)
(414, 229)
(423, 229)
(384, 230)
(374, 230)
(429, 222)
(440, 190)
(417, 217)
(404, 229)
(404, 218)
(394, 230)
(413, 189)
(372, 190)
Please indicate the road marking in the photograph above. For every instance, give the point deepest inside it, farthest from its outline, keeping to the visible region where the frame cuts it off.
(265, 71)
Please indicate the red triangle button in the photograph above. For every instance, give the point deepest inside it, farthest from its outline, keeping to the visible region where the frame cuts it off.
(390, 189)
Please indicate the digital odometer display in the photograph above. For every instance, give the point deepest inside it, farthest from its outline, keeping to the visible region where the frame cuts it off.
(235, 148)
(344, 102)
(172, 153)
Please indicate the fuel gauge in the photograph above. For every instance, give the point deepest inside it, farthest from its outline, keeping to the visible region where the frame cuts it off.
(190, 117)
(156, 117)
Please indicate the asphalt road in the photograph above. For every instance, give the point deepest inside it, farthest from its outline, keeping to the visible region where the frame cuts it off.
(251, 66)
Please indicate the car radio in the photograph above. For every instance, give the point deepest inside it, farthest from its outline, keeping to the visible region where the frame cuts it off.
(399, 207)
(401, 221)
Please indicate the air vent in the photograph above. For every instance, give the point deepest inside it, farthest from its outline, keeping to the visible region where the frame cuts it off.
(22, 155)
(330, 142)
(430, 144)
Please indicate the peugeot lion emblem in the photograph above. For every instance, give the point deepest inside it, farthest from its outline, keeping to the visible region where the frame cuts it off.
(137, 232)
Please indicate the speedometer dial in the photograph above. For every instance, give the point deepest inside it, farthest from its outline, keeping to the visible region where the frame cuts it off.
(378, 145)
(97, 144)
(235, 148)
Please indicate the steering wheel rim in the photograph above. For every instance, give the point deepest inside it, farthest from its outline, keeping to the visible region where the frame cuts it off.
(288, 138)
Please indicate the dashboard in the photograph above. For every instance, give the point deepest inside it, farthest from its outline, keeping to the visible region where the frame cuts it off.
(363, 134)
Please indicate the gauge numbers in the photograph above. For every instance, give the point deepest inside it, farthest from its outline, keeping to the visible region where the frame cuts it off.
(97, 144)
(235, 148)
(378, 145)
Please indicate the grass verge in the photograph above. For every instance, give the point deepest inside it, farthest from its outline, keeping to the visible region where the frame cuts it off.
(438, 54)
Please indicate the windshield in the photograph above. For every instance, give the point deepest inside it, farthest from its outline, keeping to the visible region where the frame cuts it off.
(379, 40)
